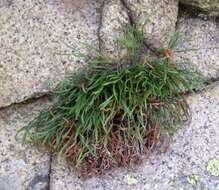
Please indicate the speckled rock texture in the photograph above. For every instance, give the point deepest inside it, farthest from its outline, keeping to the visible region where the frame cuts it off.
(199, 37)
(209, 6)
(158, 16)
(37, 38)
(21, 166)
(185, 166)
(114, 17)
(37, 41)
(5, 3)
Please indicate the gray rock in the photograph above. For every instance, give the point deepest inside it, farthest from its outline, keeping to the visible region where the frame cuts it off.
(35, 44)
(114, 17)
(5, 3)
(22, 167)
(158, 16)
(209, 6)
(10, 182)
(185, 166)
(200, 39)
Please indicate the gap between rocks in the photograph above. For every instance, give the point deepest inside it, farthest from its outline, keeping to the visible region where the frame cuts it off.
(100, 24)
(27, 101)
(211, 82)
(47, 96)
(50, 171)
(149, 43)
(208, 86)
(131, 20)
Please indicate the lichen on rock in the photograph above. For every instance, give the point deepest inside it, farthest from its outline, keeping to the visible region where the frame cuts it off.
(213, 167)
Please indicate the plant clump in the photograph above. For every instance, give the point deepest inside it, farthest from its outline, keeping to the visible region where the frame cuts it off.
(113, 112)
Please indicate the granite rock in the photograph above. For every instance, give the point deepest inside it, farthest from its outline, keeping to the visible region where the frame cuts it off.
(157, 16)
(37, 39)
(114, 17)
(184, 166)
(22, 167)
(5, 3)
(198, 43)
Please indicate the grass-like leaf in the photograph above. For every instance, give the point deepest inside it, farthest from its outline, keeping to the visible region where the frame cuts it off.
(112, 112)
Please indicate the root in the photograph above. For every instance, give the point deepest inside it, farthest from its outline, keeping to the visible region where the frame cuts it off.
(117, 154)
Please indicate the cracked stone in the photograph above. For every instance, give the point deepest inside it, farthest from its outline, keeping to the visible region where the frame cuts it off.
(193, 146)
(199, 41)
(158, 16)
(22, 167)
(38, 39)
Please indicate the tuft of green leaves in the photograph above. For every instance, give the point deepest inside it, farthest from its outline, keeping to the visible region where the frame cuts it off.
(102, 111)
